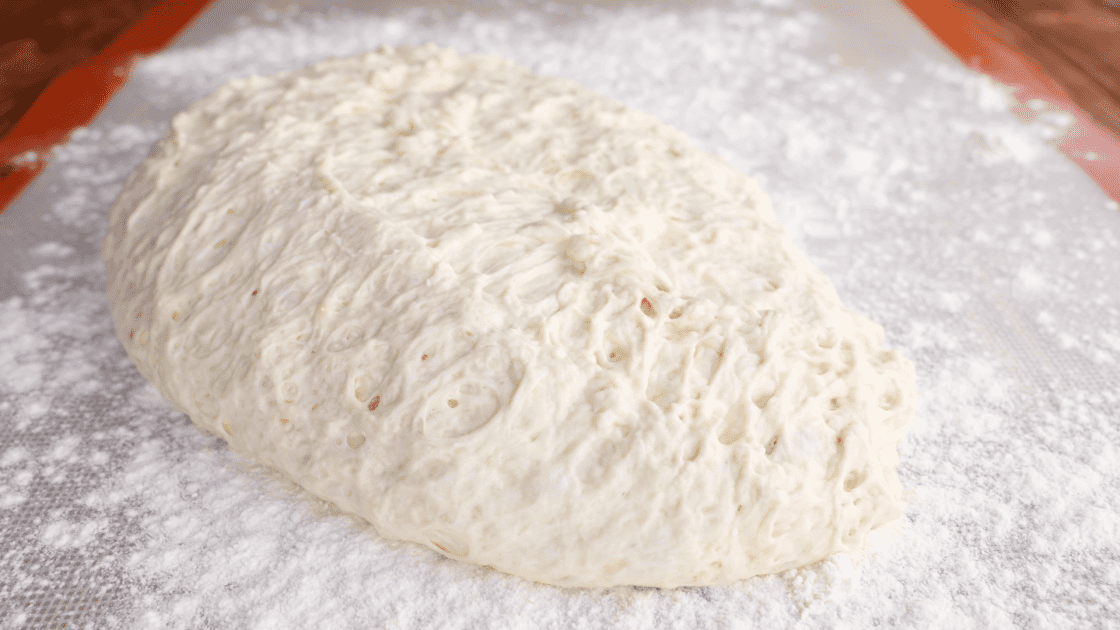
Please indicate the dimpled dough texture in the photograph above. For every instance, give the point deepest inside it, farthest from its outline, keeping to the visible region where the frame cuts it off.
(506, 318)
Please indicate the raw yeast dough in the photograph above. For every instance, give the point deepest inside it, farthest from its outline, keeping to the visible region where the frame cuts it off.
(509, 319)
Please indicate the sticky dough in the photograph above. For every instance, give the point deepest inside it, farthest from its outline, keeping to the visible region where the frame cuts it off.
(509, 319)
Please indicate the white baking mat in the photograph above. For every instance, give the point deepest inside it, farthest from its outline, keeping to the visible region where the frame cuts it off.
(992, 261)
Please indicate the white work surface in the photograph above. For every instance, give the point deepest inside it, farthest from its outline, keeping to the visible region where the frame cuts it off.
(991, 260)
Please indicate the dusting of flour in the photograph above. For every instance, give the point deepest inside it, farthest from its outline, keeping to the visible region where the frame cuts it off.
(989, 258)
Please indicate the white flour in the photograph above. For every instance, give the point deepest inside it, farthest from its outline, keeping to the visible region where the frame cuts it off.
(990, 259)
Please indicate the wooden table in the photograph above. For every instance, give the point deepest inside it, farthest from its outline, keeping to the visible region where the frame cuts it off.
(1064, 52)
(1076, 42)
(61, 60)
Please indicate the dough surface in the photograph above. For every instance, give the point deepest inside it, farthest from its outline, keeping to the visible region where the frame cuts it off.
(509, 319)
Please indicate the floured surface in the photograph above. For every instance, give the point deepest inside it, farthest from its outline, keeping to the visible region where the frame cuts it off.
(507, 318)
(927, 196)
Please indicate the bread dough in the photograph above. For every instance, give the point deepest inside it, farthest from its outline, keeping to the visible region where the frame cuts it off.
(509, 319)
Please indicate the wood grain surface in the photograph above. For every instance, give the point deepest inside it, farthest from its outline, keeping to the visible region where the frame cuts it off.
(61, 61)
(41, 39)
(1077, 42)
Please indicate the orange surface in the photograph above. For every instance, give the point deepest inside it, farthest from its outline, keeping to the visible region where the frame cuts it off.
(1089, 144)
(77, 95)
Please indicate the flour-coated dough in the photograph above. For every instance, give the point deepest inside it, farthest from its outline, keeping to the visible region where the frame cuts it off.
(509, 319)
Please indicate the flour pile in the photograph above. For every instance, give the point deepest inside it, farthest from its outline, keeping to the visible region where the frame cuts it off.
(509, 319)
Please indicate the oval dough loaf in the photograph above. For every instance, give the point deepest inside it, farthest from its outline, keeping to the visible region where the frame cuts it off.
(509, 319)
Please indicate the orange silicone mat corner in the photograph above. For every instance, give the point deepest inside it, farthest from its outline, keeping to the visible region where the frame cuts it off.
(77, 95)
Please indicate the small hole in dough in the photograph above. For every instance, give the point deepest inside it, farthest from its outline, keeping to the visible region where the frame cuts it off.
(854, 480)
(890, 398)
(762, 399)
(781, 527)
(284, 421)
(730, 435)
(355, 439)
(614, 567)
(448, 545)
(731, 431)
(695, 452)
(472, 407)
(363, 386)
(888, 402)
(834, 404)
(225, 425)
(241, 370)
(568, 206)
(772, 444)
(647, 308)
(618, 354)
(346, 338)
(289, 300)
(676, 313)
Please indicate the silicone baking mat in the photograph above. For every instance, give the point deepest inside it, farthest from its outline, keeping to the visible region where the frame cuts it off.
(989, 257)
